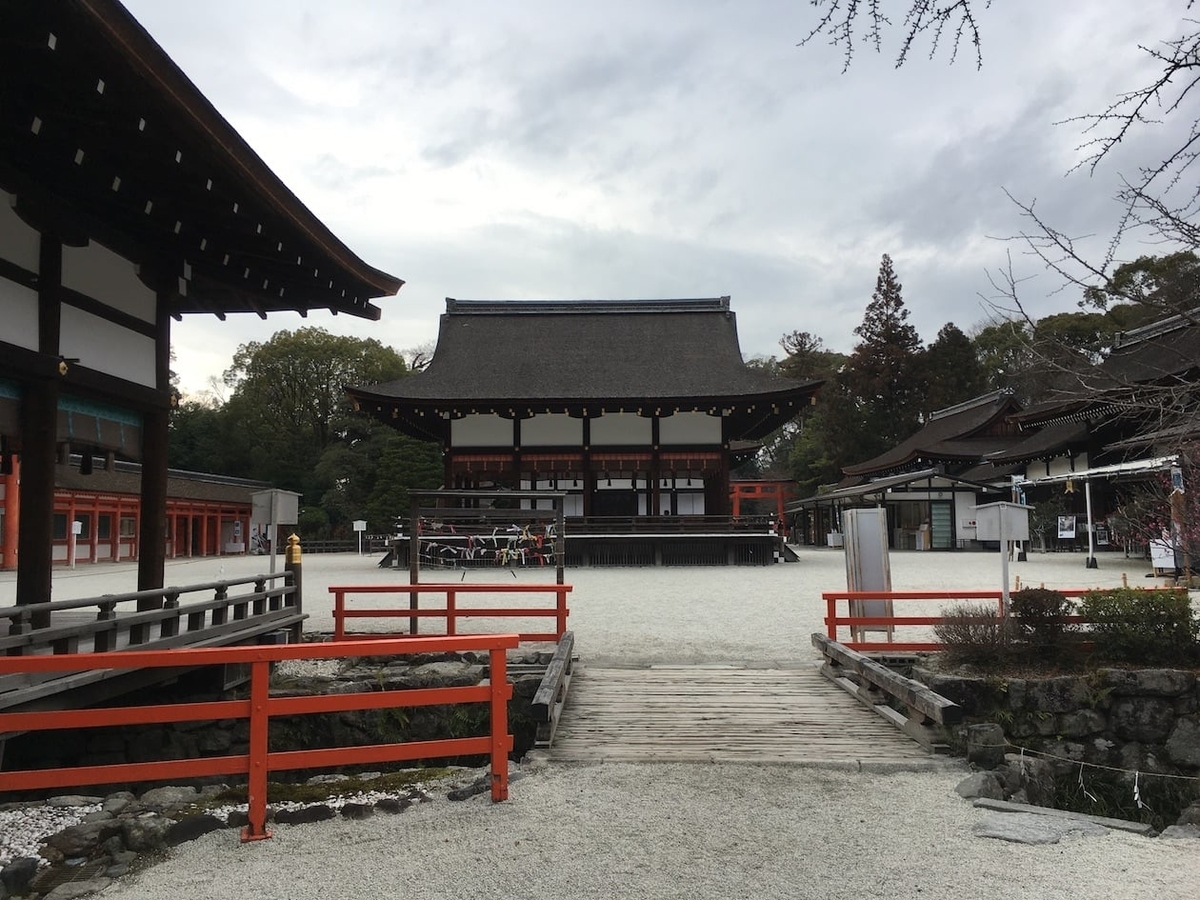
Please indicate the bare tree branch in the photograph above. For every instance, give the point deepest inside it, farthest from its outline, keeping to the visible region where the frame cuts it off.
(939, 21)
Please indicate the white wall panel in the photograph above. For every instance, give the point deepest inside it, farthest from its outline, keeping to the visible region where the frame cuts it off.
(621, 429)
(99, 273)
(19, 243)
(689, 428)
(106, 347)
(551, 430)
(18, 315)
(1061, 465)
(481, 431)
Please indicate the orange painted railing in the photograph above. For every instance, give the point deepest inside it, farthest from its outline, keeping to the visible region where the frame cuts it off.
(258, 708)
(833, 621)
(451, 613)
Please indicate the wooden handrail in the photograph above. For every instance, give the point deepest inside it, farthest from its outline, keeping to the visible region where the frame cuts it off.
(176, 616)
(872, 684)
(551, 694)
(24, 609)
(260, 707)
(914, 695)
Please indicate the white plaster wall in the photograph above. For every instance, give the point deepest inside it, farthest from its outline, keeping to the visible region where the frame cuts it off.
(18, 315)
(107, 347)
(689, 428)
(621, 429)
(1061, 465)
(481, 430)
(99, 273)
(19, 243)
(964, 516)
(551, 430)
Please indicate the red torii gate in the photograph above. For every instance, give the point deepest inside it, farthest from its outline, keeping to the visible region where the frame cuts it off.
(778, 491)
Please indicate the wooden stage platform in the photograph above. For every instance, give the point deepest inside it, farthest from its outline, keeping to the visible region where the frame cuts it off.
(724, 714)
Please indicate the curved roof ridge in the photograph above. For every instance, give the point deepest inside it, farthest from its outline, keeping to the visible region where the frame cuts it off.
(591, 307)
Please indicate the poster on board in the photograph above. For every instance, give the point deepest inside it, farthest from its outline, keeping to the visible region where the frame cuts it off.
(1066, 526)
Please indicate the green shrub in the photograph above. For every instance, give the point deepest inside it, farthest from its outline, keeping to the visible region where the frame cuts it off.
(973, 634)
(1140, 627)
(1040, 617)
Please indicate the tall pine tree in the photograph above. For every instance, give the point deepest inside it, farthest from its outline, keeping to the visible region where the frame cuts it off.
(882, 372)
(950, 371)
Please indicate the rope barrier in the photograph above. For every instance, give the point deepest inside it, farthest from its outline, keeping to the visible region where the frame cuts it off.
(1076, 762)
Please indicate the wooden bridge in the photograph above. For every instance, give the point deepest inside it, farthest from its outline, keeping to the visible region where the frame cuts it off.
(723, 713)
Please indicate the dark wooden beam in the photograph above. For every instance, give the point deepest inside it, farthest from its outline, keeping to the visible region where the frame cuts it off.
(152, 542)
(35, 532)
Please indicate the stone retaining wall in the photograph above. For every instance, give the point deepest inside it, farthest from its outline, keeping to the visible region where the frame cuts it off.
(1139, 720)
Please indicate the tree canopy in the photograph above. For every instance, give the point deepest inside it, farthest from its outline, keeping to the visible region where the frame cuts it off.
(288, 422)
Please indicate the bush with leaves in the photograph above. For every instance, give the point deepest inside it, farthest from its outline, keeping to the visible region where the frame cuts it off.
(1141, 627)
(1040, 617)
(974, 635)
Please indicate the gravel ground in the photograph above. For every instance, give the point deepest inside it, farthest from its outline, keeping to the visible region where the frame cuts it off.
(668, 830)
(701, 832)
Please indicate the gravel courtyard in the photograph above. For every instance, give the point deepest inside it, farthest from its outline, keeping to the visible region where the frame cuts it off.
(701, 832)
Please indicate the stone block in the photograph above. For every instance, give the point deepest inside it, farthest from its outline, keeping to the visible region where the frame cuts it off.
(1141, 758)
(147, 832)
(986, 745)
(980, 784)
(83, 839)
(1030, 828)
(1058, 695)
(1183, 743)
(1144, 719)
(164, 797)
(1164, 682)
(1081, 723)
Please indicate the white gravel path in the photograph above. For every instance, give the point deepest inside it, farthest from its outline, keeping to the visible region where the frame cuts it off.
(701, 832)
(715, 831)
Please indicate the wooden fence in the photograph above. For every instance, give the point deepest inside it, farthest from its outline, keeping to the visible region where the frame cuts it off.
(259, 707)
(209, 614)
(451, 613)
(859, 623)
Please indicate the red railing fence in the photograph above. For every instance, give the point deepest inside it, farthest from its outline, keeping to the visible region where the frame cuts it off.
(451, 613)
(259, 708)
(858, 623)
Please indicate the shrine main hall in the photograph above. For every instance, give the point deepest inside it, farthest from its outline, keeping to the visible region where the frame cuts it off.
(632, 409)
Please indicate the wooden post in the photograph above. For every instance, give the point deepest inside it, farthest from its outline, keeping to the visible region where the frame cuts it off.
(35, 530)
(293, 576)
(260, 677)
(501, 740)
(414, 562)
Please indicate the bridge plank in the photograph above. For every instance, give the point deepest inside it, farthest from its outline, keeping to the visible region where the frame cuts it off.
(721, 713)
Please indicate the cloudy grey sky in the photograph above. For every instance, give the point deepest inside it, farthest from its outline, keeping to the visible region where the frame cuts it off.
(677, 148)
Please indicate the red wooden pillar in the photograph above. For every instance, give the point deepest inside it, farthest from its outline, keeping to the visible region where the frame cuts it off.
(12, 515)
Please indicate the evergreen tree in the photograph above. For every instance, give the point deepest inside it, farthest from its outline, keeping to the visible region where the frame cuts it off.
(950, 371)
(806, 357)
(882, 371)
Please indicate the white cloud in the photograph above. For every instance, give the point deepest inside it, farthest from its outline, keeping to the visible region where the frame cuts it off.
(627, 149)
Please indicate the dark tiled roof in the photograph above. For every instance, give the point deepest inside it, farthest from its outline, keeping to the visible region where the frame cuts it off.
(986, 472)
(197, 202)
(584, 351)
(1050, 440)
(959, 433)
(1162, 351)
(126, 479)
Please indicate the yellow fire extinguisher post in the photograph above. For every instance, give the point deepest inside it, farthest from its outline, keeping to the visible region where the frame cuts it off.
(294, 570)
